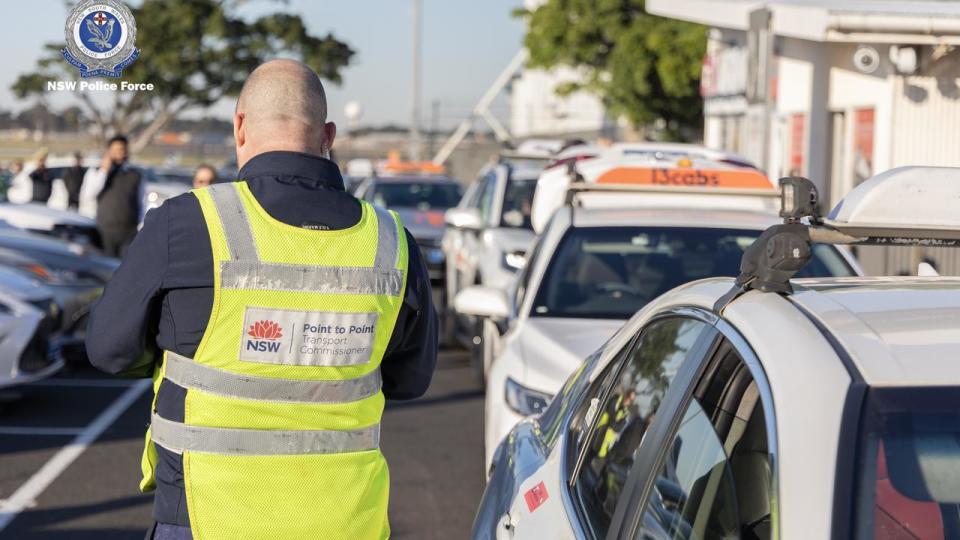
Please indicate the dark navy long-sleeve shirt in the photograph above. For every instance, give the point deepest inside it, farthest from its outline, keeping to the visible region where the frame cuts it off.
(162, 295)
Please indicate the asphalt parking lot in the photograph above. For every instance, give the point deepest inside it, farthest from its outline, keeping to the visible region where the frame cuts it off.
(70, 453)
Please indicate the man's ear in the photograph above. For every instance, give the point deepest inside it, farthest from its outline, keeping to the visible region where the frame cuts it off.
(329, 134)
(239, 129)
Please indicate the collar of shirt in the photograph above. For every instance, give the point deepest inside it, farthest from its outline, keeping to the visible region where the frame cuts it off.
(308, 169)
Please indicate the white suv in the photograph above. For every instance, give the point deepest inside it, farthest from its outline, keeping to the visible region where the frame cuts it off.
(489, 232)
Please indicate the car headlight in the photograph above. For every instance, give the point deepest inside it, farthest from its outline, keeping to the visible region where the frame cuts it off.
(525, 401)
(514, 260)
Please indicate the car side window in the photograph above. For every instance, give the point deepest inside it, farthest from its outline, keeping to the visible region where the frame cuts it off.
(486, 198)
(523, 282)
(620, 416)
(476, 192)
(714, 480)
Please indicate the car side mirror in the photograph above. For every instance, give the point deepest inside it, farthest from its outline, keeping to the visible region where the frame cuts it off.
(464, 218)
(482, 301)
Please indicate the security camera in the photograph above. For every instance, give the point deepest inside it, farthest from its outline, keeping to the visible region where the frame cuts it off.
(866, 59)
(905, 59)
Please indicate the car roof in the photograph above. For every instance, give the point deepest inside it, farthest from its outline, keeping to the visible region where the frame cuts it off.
(424, 179)
(898, 331)
(673, 217)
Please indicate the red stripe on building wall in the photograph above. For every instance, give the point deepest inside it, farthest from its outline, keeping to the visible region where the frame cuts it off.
(798, 128)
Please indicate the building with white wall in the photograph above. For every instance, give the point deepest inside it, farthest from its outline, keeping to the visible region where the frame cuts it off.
(855, 87)
(536, 110)
(835, 90)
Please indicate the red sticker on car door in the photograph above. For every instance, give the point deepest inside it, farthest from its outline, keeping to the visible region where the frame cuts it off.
(536, 496)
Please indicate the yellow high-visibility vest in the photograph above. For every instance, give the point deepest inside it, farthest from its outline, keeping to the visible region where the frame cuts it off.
(280, 438)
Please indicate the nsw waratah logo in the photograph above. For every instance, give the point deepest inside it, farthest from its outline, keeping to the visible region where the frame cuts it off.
(265, 330)
(266, 336)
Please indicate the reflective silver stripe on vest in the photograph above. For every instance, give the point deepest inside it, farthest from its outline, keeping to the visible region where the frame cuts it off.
(178, 438)
(247, 271)
(387, 243)
(189, 374)
(318, 279)
(236, 224)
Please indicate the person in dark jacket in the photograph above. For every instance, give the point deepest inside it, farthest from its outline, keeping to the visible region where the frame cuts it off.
(120, 199)
(162, 295)
(42, 180)
(73, 180)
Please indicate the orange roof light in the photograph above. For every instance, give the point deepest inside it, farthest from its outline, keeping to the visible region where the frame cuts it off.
(394, 165)
(660, 176)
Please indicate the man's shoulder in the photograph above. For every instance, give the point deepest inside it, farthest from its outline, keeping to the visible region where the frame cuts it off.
(185, 203)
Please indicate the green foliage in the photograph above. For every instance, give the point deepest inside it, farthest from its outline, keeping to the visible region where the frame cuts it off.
(194, 52)
(644, 67)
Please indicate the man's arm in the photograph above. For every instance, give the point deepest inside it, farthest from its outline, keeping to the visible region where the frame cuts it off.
(93, 182)
(121, 327)
(411, 357)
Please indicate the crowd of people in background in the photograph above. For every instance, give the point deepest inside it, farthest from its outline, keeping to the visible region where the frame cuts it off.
(111, 194)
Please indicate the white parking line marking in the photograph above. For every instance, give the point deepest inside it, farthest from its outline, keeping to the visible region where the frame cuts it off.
(26, 495)
(92, 383)
(26, 430)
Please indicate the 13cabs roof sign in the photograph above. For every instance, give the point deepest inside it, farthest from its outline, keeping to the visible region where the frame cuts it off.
(686, 176)
(651, 181)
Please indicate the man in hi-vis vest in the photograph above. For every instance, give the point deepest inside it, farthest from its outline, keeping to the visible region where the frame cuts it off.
(276, 314)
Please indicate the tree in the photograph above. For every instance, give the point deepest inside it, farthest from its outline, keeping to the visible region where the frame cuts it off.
(194, 52)
(643, 67)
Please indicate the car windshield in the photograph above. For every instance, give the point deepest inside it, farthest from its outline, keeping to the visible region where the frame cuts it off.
(517, 202)
(909, 464)
(419, 195)
(611, 272)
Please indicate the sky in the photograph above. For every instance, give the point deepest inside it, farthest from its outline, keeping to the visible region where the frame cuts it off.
(466, 43)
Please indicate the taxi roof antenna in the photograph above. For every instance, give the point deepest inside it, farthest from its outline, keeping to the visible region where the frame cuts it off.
(782, 250)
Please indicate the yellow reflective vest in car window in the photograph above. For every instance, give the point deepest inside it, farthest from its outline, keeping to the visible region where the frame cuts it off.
(280, 437)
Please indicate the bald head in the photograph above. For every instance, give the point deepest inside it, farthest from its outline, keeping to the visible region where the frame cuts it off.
(282, 106)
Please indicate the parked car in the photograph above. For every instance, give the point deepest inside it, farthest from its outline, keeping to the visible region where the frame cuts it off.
(421, 202)
(611, 250)
(26, 354)
(766, 406)
(75, 276)
(41, 219)
(488, 234)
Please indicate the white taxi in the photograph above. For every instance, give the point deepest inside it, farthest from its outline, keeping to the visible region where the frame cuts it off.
(622, 240)
(766, 406)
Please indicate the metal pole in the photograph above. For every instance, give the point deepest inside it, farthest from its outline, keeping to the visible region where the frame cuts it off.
(481, 109)
(415, 89)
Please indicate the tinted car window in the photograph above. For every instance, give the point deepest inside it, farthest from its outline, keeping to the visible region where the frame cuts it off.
(517, 203)
(715, 479)
(909, 457)
(694, 495)
(611, 272)
(620, 420)
(486, 198)
(419, 195)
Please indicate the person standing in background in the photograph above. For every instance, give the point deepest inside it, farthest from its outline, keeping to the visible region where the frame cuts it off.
(73, 180)
(42, 180)
(204, 176)
(113, 195)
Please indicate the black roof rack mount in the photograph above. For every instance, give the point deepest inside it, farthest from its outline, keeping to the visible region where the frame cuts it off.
(784, 249)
